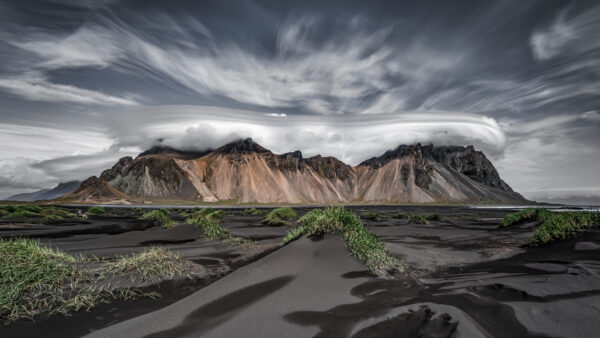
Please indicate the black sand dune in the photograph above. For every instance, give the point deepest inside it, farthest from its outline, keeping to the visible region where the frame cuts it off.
(468, 278)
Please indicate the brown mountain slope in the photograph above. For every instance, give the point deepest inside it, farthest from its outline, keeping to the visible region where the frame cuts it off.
(95, 190)
(247, 172)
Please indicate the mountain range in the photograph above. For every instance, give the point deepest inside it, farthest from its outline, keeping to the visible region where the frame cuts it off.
(245, 172)
(47, 194)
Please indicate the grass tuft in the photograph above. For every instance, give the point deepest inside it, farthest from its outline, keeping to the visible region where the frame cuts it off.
(280, 216)
(95, 211)
(417, 218)
(522, 216)
(361, 242)
(152, 264)
(159, 216)
(210, 229)
(254, 211)
(36, 214)
(553, 225)
(433, 217)
(36, 279)
(207, 220)
(371, 215)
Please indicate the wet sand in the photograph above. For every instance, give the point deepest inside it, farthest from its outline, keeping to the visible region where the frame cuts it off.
(467, 278)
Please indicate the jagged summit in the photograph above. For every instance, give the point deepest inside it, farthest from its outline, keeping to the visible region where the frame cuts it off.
(167, 150)
(245, 171)
(399, 152)
(242, 146)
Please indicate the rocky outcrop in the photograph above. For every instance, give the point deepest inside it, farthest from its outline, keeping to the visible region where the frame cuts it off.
(244, 171)
(121, 168)
(150, 176)
(469, 162)
(329, 167)
(96, 190)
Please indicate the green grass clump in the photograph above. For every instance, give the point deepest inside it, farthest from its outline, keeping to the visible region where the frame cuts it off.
(52, 214)
(254, 211)
(159, 216)
(23, 214)
(36, 214)
(522, 216)
(95, 211)
(137, 210)
(35, 279)
(371, 215)
(401, 215)
(433, 217)
(361, 242)
(152, 264)
(23, 211)
(280, 216)
(562, 225)
(210, 229)
(207, 220)
(553, 225)
(30, 277)
(22, 208)
(417, 218)
(209, 213)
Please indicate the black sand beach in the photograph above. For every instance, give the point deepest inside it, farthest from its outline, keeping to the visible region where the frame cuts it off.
(464, 277)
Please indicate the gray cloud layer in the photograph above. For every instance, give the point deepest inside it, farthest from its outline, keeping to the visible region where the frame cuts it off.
(84, 83)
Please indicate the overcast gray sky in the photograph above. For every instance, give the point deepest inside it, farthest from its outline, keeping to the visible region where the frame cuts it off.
(83, 83)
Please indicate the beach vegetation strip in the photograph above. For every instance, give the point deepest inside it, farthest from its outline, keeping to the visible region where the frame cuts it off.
(31, 213)
(208, 220)
(363, 244)
(280, 216)
(159, 217)
(553, 225)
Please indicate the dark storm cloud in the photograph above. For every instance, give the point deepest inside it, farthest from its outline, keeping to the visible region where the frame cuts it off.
(519, 80)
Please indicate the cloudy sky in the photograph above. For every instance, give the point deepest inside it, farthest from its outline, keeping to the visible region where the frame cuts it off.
(83, 83)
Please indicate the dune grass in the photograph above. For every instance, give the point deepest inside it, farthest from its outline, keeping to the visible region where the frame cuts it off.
(209, 213)
(433, 217)
(32, 213)
(210, 229)
(254, 211)
(159, 216)
(553, 225)
(207, 220)
(280, 216)
(95, 211)
(401, 215)
(417, 218)
(371, 215)
(522, 216)
(360, 241)
(152, 264)
(36, 279)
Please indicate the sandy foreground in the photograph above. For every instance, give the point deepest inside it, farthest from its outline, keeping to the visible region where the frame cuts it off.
(467, 278)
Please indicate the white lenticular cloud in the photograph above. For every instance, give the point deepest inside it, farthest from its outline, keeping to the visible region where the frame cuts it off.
(351, 139)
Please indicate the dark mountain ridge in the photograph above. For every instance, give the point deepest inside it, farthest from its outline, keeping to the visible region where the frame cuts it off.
(245, 171)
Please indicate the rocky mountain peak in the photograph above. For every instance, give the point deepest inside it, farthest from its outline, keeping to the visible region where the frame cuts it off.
(167, 150)
(329, 167)
(242, 146)
(119, 169)
(400, 152)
